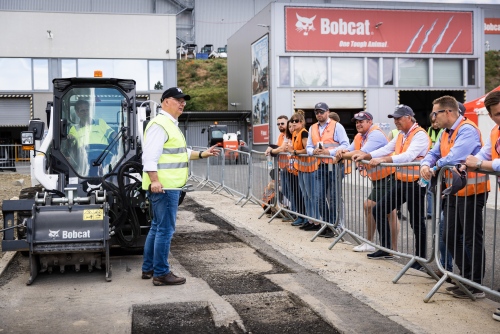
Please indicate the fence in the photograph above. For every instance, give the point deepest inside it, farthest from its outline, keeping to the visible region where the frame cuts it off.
(357, 200)
(14, 159)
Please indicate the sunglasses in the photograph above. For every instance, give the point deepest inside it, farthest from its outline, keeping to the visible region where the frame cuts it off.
(294, 121)
(434, 113)
(321, 112)
(362, 114)
(278, 124)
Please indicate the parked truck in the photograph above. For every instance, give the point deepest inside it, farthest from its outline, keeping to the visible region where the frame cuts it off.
(231, 142)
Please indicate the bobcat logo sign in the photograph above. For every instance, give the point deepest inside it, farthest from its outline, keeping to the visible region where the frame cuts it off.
(304, 24)
(53, 234)
(349, 30)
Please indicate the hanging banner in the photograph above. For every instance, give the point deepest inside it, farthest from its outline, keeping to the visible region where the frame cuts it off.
(315, 29)
(260, 91)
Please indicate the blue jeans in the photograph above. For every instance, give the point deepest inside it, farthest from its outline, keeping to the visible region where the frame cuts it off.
(445, 256)
(306, 184)
(325, 196)
(162, 229)
(430, 202)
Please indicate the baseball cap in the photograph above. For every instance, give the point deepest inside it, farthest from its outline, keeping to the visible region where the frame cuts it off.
(461, 108)
(362, 115)
(459, 182)
(401, 110)
(321, 106)
(174, 92)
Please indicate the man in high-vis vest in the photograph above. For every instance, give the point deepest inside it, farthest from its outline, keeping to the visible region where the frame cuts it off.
(463, 211)
(165, 164)
(369, 138)
(489, 157)
(281, 123)
(90, 136)
(325, 138)
(411, 145)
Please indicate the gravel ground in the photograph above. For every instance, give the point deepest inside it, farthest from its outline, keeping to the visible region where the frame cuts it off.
(9, 188)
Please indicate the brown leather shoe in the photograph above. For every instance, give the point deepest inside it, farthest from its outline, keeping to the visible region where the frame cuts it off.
(147, 274)
(168, 279)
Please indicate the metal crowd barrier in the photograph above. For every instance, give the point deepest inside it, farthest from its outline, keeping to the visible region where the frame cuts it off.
(236, 173)
(312, 193)
(470, 254)
(372, 197)
(14, 159)
(262, 185)
(352, 184)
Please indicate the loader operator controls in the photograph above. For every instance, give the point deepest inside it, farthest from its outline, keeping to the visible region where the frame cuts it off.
(97, 124)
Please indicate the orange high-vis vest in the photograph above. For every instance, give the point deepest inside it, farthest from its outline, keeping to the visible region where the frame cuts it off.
(494, 135)
(283, 158)
(304, 164)
(326, 137)
(409, 173)
(477, 183)
(374, 173)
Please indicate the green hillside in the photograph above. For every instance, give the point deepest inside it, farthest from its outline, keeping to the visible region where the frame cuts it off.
(492, 70)
(205, 81)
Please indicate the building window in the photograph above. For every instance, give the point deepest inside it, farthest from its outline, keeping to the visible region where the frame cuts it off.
(471, 72)
(117, 68)
(68, 68)
(310, 72)
(373, 71)
(15, 74)
(347, 72)
(156, 75)
(284, 71)
(413, 72)
(40, 74)
(388, 71)
(447, 72)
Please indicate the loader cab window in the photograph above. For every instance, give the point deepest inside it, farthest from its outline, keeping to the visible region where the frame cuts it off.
(92, 144)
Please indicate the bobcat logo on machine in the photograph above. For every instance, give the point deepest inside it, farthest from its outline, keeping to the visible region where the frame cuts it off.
(304, 24)
(53, 234)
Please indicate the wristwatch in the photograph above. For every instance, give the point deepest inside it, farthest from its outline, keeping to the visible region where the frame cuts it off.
(479, 163)
(200, 156)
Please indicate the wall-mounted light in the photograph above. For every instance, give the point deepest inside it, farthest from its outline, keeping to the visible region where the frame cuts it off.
(378, 25)
(168, 51)
(49, 34)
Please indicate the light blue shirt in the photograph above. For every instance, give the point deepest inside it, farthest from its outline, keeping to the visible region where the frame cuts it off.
(467, 142)
(418, 147)
(370, 141)
(485, 154)
(340, 136)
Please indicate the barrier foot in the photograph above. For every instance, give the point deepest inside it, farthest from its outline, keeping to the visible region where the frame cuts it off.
(435, 288)
(238, 202)
(319, 232)
(403, 271)
(217, 188)
(340, 237)
(251, 200)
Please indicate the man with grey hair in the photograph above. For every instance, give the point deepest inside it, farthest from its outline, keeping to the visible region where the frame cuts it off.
(411, 144)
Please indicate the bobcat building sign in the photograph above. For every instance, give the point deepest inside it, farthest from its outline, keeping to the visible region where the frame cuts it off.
(368, 30)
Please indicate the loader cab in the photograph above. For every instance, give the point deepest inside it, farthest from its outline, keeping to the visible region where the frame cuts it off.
(90, 140)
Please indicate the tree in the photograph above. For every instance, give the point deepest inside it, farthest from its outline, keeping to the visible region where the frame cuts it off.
(158, 86)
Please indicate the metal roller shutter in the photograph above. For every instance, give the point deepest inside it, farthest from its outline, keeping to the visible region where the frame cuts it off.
(15, 111)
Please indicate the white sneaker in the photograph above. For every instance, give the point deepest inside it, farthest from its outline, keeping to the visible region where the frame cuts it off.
(364, 247)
